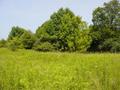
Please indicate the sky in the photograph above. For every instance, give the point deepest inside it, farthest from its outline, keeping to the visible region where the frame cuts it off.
(30, 14)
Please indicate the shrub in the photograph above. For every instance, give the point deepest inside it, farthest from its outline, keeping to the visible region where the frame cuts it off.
(44, 46)
(14, 44)
(27, 40)
(115, 47)
(2, 43)
(112, 44)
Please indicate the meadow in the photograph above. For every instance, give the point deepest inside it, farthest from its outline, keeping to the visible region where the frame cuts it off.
(32, 70)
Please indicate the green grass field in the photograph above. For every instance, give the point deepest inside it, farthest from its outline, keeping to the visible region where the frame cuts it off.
(31, 70)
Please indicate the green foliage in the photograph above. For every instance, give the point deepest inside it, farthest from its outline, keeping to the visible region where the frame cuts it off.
(107, 16)
(112, 44)
(16, 32)
(14, 44)
(2, 43)
(43, 46)
(63, 31)
(106, 24)
(21, 38)
(14, 41)
(115, 46)
(84, 40)
(27, 39)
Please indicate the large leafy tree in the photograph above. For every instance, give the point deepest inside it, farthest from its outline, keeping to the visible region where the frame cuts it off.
(65, 31)
(16, 32)
(14, 41)
(106, 24)
(107, 16)
(20, 38)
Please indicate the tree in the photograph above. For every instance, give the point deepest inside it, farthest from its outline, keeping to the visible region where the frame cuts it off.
(27, 39)
(13, 41)
(21, 38)
(16, 32)
(64, 31)
(106, 24)
(107, 16)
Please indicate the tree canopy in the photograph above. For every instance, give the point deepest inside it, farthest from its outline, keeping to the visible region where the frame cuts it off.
(21, 38)
(65, 31)
(106, 25)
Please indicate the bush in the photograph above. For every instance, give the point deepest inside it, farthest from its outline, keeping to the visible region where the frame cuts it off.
(2, 43)
(112, 45)
(44, 46)
(65, 31)
(14, 44)
(115, 47)
(27, 40)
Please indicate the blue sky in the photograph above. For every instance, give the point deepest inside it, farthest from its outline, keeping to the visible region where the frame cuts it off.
(30, 14)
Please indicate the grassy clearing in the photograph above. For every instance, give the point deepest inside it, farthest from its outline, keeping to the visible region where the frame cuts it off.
(30, 70)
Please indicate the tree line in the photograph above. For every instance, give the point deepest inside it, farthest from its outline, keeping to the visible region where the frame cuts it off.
(65, 31)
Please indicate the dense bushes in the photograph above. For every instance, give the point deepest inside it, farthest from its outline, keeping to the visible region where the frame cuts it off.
(45, 46)
(14, 44)
(66, 32)
(112, 45)
(2, 43)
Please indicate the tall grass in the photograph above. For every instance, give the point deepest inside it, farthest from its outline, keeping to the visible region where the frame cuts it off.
(30, 70)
